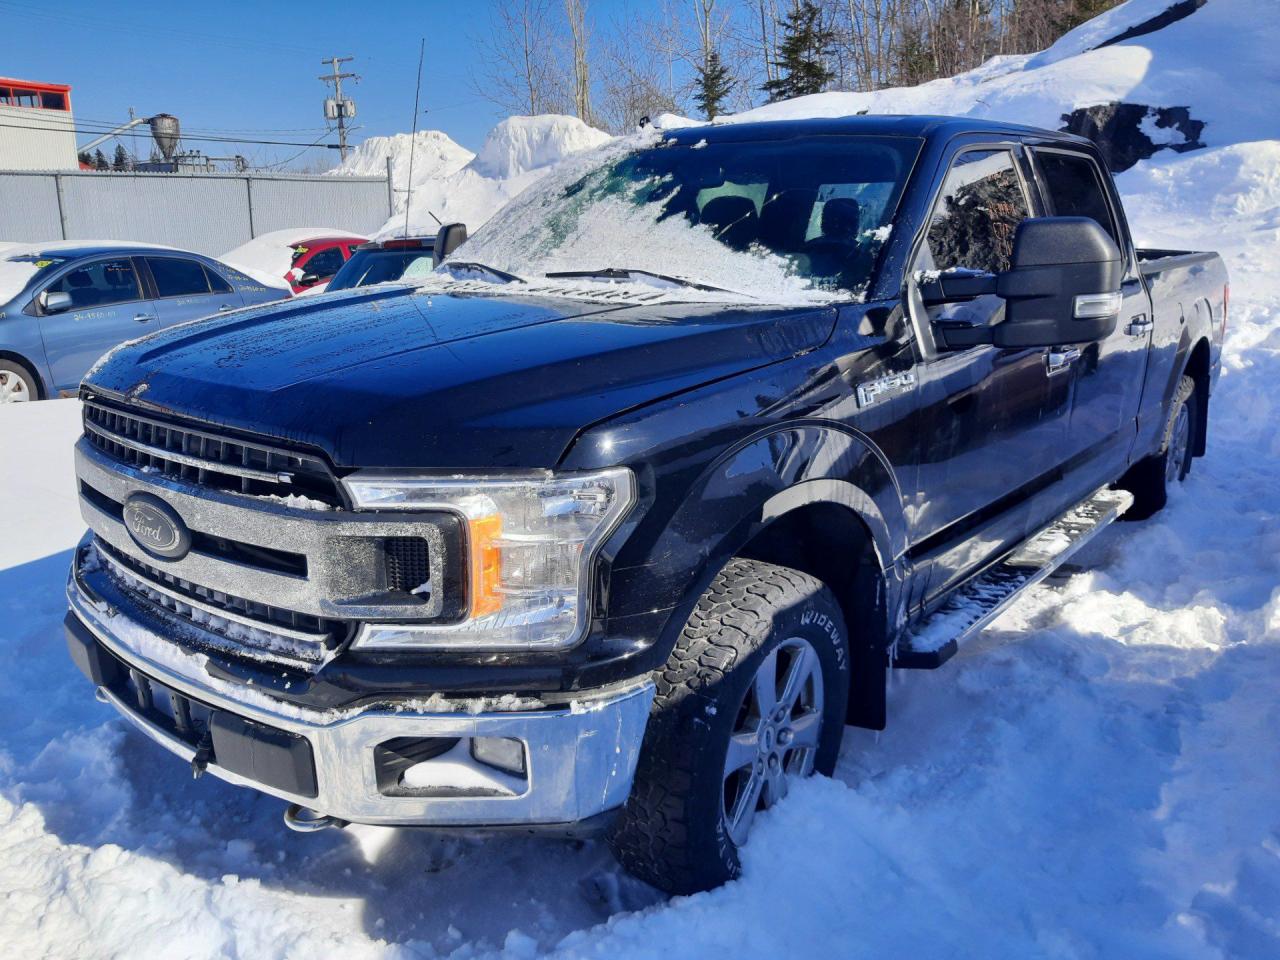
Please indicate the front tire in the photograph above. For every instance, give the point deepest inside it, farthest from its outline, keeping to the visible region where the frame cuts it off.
(1149, 479)
(17, 384)
(754, 693)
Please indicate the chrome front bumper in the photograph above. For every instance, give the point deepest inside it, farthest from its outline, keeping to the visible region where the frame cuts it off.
(579, 759)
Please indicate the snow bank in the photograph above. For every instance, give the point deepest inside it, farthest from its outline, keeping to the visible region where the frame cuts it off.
(435, 157)
(1218, 62)
(517, 152)
(269, 256)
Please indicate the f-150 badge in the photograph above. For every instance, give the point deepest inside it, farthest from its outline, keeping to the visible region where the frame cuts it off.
(875, 390)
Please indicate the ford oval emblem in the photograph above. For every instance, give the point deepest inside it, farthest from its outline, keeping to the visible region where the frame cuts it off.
(156, 527)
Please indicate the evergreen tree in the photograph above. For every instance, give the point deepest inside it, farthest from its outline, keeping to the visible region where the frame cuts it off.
(100, 160)
(803, 52)
(121, 159)
(712, 86)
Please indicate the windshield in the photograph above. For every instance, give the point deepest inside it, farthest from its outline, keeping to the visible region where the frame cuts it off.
(790, 220)
(19, 271)
(367, 267)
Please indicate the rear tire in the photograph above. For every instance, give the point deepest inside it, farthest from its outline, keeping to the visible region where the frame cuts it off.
(754, 692)
(17, 383)
(1149, 479)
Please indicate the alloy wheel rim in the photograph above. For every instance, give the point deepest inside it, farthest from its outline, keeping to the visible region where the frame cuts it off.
(775, 734)
(13, 389)
(1179, 443)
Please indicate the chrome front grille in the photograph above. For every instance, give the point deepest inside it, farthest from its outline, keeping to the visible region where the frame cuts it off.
(229, 623)
(187, 453)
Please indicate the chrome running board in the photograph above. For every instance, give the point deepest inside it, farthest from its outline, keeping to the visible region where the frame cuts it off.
(934, 640)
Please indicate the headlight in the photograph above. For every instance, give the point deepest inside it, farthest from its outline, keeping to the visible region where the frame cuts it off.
(530, 547)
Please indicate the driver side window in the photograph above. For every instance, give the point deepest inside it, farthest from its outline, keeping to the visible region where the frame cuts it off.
(973, 222)
(99, 284)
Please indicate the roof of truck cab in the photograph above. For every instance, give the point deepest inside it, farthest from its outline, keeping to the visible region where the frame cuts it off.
(879, 125)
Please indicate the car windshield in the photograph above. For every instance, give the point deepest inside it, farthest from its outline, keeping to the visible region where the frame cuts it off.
(377, 266)
(19, 271)
(798, 219)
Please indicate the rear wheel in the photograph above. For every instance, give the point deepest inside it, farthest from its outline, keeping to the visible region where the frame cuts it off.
(17, 385)
(1149, 479)
(753, 694)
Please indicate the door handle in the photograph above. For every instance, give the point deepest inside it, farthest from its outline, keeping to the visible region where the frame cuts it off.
(225, 307)
(144, 317)
(1139, 326)
(1059, 358)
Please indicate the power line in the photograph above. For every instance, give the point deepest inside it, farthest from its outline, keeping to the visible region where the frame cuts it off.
(185, 136)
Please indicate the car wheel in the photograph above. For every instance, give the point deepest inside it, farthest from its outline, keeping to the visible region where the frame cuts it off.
(1149, 480)
(753, 696)
(17, 385)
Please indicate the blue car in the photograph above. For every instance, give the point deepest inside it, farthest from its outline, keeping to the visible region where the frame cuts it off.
(63, 305)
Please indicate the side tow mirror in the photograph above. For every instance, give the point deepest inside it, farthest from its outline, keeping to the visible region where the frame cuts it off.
(448, 239)
(1063, 285)
(55, 301)
(308, 280)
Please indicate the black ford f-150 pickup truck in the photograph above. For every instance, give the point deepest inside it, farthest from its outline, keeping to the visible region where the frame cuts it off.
(615, 518)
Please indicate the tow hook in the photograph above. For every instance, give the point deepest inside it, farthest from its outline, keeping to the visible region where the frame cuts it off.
(204, 750)
(305, 820)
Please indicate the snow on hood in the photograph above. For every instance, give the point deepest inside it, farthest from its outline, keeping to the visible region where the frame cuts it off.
(516, 153)
(269, 256)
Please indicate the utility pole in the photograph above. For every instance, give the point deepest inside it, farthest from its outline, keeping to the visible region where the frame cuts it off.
(341, 110)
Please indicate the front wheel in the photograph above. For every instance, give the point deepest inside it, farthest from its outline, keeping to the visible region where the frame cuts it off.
(1149, 479)
(17, 385)
(753, 694)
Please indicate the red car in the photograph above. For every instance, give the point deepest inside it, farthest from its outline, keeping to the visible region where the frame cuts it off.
(316, 261)
(304, 259)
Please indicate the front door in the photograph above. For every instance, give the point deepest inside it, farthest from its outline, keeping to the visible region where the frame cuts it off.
(1108, 376)
(185, 290)
(992, 420)
(108, 306)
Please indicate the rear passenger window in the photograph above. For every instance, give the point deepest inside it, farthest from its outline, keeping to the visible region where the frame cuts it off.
(981, 205)
(216, 283)
(1075, 189)
(178, 278)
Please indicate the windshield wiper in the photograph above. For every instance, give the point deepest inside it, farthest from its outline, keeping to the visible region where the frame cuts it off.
(626, 273)
(477, 267)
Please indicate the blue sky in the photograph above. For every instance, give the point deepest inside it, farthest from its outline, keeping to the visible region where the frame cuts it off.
(240, 66)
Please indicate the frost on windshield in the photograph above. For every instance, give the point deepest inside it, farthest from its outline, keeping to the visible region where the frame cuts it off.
(794, 221)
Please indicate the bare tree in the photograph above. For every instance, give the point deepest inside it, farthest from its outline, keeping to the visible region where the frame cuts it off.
(516, 67)
(638, 71)
(579, 35)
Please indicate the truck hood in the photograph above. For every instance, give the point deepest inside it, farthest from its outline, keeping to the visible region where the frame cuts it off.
(398, 378)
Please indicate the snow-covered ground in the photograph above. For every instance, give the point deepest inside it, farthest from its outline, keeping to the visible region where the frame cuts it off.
(1097, 776)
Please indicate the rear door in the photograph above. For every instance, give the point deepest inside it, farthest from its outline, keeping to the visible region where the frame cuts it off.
(992, 420)
(185, 290)
(108, 305)
(1107, 378)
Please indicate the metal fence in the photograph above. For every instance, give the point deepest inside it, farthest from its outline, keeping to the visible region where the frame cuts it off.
(206, 212)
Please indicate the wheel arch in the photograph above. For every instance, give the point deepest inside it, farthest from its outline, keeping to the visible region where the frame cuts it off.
(1198, 369)
(813, 496)
(41, 388)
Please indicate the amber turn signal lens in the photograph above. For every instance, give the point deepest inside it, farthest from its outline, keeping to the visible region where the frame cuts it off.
(486, 565)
